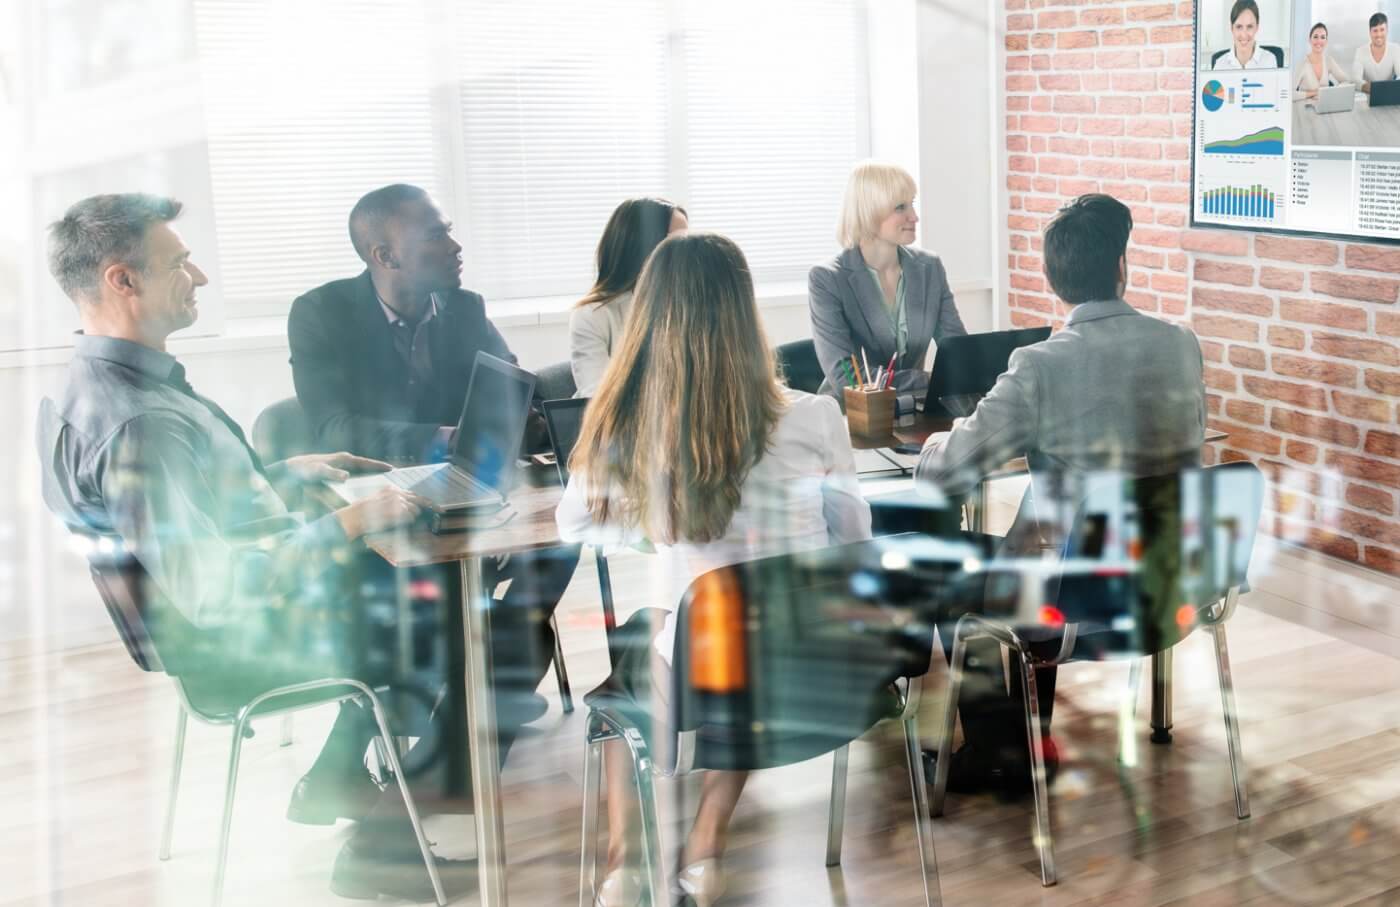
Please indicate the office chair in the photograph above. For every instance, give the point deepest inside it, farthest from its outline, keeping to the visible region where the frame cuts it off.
(281, 431)
(801, 370)
(136, 610)
(555, 382)
(1277, 53)
(776, 661)
(1197, 534)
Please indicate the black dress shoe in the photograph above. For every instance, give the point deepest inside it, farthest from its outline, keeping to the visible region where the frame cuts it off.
(1005, 772)
(322, 797)
(366, 876)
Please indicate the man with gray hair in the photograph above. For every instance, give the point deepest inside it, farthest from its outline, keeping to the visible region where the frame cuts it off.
(246, 595)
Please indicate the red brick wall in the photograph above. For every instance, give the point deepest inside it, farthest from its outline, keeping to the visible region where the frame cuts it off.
(1301, 337)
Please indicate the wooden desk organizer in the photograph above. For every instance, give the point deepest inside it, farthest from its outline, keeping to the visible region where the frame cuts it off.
(869, 413)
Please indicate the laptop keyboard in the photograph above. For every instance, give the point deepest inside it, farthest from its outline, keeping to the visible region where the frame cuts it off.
(437, 482)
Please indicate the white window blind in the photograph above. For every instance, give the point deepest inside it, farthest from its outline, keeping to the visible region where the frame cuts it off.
(776, 114)
(309, 104)
(564, 114)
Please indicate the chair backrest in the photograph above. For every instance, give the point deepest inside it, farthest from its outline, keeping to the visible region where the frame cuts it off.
(118, 581)
(555, 382)
(282, 431)
(784, 658)
(800, 367)
(1145, 556)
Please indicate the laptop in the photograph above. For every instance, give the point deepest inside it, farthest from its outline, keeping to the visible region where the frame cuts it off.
(965, 368)
(564, 419)
(1336, 99)
(1385, 94)
(481, 465)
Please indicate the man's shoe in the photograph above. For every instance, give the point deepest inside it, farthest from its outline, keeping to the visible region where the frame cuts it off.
(365, 877)
(322, 797)
(969, 772)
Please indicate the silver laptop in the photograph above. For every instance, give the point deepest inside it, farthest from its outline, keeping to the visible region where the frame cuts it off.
(1336, 99)
(481, 464)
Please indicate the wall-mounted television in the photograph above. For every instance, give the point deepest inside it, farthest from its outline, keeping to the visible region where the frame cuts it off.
(1296, 124)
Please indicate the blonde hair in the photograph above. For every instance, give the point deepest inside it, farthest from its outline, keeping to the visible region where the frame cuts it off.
(871, 194)
(688, 402)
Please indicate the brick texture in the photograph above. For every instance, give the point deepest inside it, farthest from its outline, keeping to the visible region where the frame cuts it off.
(1301, 336)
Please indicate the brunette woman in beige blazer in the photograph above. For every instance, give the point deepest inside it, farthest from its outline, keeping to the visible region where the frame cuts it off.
(881, 295)
(1318, 69)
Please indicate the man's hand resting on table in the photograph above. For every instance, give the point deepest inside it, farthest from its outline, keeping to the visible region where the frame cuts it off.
(335, 467)
(385, 509)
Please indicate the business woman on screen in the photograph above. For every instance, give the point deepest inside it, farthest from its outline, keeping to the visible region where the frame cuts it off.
(1319, 70)
(1247, 52)
(636, 227)
(881, 297)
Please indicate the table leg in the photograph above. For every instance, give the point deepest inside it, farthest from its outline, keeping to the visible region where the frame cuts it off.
(977, 503)
(1162, 697)
(481, 739)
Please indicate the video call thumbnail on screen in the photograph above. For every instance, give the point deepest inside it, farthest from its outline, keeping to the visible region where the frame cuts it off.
(1297, 116)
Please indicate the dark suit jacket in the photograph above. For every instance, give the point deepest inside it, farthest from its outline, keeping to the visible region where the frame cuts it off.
(848, 314)
(353, 385)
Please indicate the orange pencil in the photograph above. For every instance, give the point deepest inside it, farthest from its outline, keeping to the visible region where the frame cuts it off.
(860, 382)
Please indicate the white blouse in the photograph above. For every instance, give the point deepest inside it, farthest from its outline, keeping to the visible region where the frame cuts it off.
(593, 329)
(1262, 59)
(802, 494)
(1332, 74)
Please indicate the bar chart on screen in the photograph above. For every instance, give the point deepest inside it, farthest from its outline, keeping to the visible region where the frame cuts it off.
(1247, 203)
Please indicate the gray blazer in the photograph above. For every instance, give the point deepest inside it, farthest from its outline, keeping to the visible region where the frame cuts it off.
(1115, 389)
(848, 314)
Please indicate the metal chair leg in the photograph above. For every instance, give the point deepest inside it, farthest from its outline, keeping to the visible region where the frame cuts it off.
(230, 786)
(561, 673)
(950, 715)
(386, 739)
(836, 811)
(923, 823)
(1127, 742)
(287, 723)
(1232, 721)
(1044, 843)
(592, 797)
(181, 720)
(651, 822)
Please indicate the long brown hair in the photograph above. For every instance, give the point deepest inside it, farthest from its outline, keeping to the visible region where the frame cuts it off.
(636, 227)
(689, 400)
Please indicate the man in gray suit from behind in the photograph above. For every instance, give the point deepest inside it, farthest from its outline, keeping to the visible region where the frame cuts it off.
(1113, 390)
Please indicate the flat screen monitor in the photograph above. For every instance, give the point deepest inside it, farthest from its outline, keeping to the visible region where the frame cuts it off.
(1279, 143)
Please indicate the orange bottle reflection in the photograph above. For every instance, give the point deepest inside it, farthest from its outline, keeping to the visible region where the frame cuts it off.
(718, 657)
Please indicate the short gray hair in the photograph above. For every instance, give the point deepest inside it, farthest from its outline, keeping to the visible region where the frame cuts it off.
(102, 230)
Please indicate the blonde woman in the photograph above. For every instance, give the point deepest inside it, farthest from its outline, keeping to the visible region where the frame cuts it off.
(692, 443)
(881, 297)
(595, 325)
(1318, 69)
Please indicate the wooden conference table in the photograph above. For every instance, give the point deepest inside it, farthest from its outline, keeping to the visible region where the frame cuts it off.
(531, 529)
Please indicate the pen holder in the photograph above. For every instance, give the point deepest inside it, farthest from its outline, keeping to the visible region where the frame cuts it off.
(869, 413)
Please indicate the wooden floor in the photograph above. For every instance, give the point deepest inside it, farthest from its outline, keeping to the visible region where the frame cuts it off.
(87, 742)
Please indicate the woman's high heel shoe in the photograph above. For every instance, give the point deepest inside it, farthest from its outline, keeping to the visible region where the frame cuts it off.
(620, 888)
(702, 881)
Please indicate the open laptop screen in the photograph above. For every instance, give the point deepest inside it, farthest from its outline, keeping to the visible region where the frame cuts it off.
(564, 419)
(492, 427)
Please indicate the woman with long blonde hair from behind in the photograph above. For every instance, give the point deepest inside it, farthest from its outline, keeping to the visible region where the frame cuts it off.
(693, 444)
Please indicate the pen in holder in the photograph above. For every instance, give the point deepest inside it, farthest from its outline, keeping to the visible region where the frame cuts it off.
(870, 412)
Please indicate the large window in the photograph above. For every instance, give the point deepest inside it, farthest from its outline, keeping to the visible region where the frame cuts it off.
(528, 119)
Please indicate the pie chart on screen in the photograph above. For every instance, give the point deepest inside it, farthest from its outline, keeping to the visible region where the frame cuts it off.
(1213, 95)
